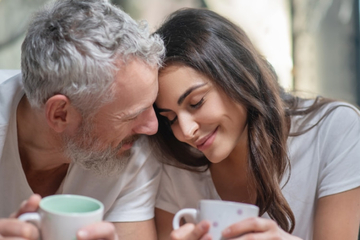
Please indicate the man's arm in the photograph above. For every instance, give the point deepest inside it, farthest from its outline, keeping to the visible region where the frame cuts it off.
(11, 228)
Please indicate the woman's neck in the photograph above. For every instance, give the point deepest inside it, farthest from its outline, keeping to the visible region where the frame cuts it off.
(231, 176)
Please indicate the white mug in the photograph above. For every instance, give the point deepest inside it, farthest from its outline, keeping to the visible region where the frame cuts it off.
(61, 216)
(220, 214)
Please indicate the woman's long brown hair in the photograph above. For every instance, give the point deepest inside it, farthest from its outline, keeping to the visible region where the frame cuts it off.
(220, 50)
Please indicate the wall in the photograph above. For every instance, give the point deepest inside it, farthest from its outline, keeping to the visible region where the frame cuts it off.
(325, 48)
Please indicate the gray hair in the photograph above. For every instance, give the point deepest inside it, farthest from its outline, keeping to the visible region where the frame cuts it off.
(72, 47)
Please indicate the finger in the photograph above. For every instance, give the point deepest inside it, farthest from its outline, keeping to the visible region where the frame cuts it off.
(257, 236)
(30, 205)
(101, 230)
(249, 225)
(266, 235)
(190, 231)
(15, 228)
(206, 237)
(11, 238)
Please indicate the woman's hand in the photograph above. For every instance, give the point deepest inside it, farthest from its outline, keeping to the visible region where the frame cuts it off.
(191, 231)
(257, 228)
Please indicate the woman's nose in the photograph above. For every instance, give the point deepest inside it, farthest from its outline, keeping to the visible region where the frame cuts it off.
(188, 126)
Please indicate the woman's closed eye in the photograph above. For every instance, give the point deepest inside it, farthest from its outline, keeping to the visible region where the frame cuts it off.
(171, 117)
(173, 121)
(198, 104)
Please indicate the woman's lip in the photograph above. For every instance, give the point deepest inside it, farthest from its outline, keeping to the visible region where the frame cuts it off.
(207, 141)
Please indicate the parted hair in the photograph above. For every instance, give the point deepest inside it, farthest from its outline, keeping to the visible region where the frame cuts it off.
(72, 47)
(221, 51)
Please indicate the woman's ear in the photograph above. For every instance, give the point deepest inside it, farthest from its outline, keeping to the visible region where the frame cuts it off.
(60, 114)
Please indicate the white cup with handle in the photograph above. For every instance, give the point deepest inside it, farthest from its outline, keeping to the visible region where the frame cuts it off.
(61, 216)
(220, 214)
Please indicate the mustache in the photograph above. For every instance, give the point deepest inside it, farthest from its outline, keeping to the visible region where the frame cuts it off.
(130, 139)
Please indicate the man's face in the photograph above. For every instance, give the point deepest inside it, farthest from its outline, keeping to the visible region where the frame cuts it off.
(103, 142)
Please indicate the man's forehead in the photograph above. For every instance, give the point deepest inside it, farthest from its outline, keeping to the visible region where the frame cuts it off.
(135, 73)
(135, 88)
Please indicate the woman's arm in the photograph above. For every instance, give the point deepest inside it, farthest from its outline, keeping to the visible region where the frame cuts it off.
(338, 216)
(163, 222)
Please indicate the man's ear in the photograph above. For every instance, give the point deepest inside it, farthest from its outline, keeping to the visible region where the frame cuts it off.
(60, 114)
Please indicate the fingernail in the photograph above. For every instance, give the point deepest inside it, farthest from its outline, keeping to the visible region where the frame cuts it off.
(178, 235)
(203, 225)
(82, 234)
(26, 231)
(207, 237)
(23, 203)
(226, 232)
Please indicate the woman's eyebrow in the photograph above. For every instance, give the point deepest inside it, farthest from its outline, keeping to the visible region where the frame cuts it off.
(187, 92)
(160, 110)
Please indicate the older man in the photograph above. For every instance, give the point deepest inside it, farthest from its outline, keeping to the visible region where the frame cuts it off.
(73, 121)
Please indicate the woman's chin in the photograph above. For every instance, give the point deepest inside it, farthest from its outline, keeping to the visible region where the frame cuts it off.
(217, 156)
(214, 158)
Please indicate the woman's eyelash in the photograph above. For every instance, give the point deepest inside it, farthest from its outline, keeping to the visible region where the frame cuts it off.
(198, 104)
(172, 121)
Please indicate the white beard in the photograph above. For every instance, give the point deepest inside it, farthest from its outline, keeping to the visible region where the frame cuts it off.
(83, 149)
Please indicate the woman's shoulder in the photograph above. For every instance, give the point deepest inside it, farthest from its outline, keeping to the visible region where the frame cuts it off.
(331, 113)
(328, 153)
(340, 107)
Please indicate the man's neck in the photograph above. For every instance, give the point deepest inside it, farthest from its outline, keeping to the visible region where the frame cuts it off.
(40, 147)
(40, 150)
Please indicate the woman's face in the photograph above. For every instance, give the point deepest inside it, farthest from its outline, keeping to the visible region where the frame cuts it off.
(200, 114)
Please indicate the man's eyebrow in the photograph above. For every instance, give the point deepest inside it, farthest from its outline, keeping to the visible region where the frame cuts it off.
(134, 114)
(187, 92)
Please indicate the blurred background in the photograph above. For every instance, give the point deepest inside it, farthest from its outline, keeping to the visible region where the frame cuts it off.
(312, 44)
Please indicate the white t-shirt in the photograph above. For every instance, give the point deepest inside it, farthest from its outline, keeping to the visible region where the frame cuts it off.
(324, 161)
(128, 197)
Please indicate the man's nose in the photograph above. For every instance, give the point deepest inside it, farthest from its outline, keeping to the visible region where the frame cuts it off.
(146, 123)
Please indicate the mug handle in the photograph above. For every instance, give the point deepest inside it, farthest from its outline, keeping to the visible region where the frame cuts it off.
(31, 217)
(192, 212)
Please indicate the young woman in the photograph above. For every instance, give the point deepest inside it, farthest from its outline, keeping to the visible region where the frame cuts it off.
(230, 132)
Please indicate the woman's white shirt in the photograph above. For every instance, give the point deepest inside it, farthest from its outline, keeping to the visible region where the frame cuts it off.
(324, 161)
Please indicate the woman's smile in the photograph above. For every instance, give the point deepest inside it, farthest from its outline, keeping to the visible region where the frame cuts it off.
(205, 142)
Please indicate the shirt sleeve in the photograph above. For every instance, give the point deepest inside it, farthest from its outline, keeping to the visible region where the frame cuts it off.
(137, 199)
(340, 151)
(166, 198)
